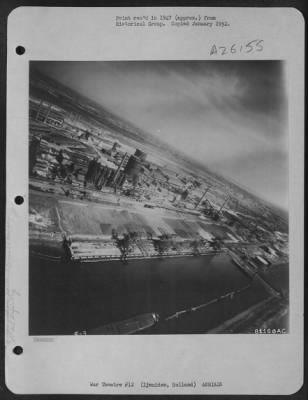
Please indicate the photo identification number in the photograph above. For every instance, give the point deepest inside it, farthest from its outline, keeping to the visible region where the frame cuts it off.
(255, 45)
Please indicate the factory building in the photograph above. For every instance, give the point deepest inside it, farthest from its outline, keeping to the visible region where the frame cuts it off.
(102, 175)
(124, 160)
(34, 149)
(43, 112)
(140, 155)
(134, 163)
(133, 166)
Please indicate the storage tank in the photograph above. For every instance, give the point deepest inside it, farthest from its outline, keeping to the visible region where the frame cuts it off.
(141, 155)
(133, 166)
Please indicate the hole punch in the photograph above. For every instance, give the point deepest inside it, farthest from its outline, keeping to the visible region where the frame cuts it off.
(20, 50)
(18, 350)
(19, 200)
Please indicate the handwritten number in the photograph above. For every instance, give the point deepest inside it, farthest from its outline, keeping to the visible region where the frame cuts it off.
(249, 45)
(259, 45)
(253, 45)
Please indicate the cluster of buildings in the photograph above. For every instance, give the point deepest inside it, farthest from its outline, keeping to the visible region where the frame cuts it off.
(44, 112)
(97, 165)
(68, 149)
(101, 175)
(62, 163)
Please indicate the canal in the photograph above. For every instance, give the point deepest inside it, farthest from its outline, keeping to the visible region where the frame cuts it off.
(66, 297)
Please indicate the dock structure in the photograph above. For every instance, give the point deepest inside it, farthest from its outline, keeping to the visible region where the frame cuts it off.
(253, 274)
(87, 248)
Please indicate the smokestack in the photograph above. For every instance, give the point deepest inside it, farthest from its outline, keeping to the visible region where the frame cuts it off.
(223, 205)
(202, 197)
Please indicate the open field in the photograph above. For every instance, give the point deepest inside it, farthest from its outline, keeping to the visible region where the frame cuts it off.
(216, 230)
(95, 219)
(88, 218)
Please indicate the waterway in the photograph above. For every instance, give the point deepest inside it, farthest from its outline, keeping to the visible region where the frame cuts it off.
(66, 297)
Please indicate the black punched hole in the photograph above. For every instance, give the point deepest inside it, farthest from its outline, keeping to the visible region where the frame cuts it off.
(20, 50)
(19, 200)
(18, 350)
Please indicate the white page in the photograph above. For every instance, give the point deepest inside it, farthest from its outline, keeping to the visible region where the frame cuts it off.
(203, 93)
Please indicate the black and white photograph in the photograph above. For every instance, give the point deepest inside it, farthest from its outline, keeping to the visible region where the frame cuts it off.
(155, 201)
(158, 197)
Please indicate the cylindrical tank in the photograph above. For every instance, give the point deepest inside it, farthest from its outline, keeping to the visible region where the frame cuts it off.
(140, 154)
(133, 166)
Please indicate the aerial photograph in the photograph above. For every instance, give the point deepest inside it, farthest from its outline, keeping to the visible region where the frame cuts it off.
(158, 197)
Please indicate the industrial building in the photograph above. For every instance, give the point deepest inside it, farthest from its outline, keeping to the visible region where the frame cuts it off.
(140, 155)
(102, 175)
(43, 112)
